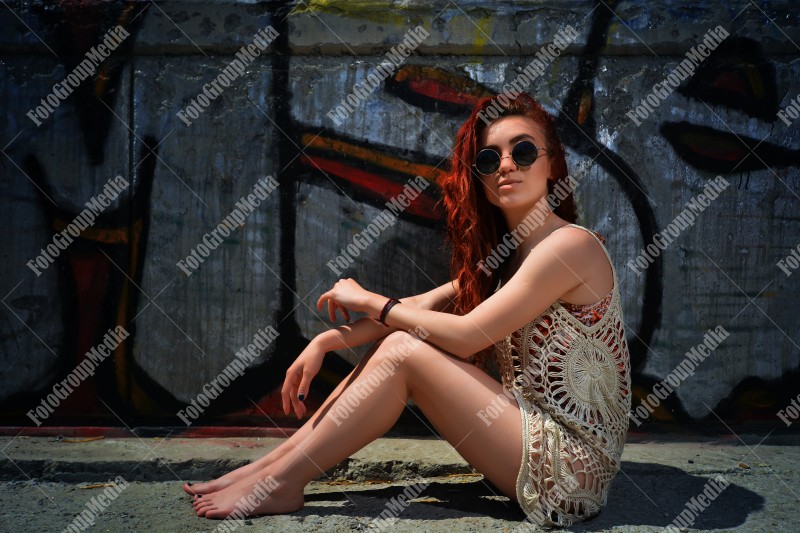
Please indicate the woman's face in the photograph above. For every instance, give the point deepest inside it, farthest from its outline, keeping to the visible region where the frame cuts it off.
(512, 186)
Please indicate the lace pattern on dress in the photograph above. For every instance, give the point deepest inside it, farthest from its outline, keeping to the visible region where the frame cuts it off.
(570, 373)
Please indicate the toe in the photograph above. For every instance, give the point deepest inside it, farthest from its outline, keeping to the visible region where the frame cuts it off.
(202, 511)
(216, 513)
(201, 505)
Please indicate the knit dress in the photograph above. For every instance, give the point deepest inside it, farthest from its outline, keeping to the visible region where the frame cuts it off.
(569, 370)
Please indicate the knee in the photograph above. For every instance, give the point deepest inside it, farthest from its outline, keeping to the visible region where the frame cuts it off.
(401, 337)
(397, 347)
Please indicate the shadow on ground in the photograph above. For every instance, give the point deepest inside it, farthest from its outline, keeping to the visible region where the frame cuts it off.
(643, 494)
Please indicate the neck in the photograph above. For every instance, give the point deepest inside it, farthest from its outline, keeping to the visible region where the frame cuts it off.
(532, 218)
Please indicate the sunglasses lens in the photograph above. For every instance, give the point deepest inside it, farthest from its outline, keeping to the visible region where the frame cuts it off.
(487, 161)
(524, 153)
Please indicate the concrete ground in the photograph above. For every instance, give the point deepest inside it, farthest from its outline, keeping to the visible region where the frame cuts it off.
(45, 482)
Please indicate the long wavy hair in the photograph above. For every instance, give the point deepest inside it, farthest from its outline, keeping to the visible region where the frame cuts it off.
(474, 225)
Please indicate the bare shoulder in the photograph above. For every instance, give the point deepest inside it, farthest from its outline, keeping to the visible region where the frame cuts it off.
(579, 241)
(579, 252)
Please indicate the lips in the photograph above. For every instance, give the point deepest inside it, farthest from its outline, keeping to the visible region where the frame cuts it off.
(506, 182)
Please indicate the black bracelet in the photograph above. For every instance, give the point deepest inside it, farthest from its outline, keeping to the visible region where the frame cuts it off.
(391, 303)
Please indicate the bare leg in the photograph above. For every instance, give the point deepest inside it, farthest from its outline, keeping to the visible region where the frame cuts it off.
(451, 393)
(287, 445)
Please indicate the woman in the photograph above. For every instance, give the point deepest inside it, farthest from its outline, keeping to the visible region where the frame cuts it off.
(551, 435)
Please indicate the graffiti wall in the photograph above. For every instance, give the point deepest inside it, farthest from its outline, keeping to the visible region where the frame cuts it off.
(177, 114)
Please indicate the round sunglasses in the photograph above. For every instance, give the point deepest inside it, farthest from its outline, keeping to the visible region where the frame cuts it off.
(523, 154)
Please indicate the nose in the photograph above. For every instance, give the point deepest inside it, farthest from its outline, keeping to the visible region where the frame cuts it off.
(506, 164)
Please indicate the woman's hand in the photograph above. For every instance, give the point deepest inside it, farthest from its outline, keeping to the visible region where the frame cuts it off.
(299, 376)
(347, 295)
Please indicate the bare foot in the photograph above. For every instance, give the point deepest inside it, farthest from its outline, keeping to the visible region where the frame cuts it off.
(224, 481)
(258, 494)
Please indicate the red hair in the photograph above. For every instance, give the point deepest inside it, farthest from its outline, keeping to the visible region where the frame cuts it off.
(474, 225)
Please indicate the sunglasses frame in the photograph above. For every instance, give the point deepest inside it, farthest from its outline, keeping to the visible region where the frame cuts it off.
(500, 158)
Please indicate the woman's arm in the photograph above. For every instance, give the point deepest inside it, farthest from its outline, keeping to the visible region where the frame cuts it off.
(353, 334)
(553, 268)
(441, 299)
(366, 330)
(307, 365)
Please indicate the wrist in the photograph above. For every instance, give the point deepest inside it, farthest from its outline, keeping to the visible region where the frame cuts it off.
(325, 341)
(375, 305)
(390, 303)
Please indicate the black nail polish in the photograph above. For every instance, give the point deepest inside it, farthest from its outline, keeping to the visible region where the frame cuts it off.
(301, 396)
(190, 483)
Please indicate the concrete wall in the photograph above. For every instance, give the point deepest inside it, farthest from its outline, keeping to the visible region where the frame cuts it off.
(335, 176)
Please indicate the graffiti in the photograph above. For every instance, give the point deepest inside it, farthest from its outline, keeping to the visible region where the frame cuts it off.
(101, 270)
(351, 172)
(436, 90)
(75, 29)
(373, 171)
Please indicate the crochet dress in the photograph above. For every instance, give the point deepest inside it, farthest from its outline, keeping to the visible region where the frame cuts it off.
(569, 371)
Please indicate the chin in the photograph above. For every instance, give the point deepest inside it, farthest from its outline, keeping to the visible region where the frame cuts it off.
(514, 199)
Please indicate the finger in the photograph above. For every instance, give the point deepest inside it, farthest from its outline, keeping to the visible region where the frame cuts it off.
(302, 390)
(321, 300)
(296, 403)
(284, 398)
(344, 311)
(292, 380)
(305, 385)
(286, 391)
(332, 310)
(302, 394)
